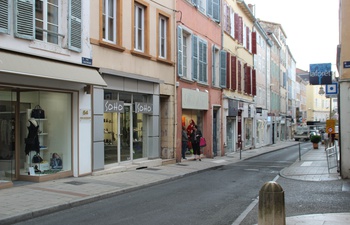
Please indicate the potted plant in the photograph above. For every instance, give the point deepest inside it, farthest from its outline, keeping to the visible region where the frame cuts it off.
(315, 139)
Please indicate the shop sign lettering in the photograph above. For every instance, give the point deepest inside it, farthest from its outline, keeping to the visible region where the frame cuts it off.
(114, 106)
(141, 107)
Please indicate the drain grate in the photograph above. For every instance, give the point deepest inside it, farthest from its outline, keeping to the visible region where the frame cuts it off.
(75, 182)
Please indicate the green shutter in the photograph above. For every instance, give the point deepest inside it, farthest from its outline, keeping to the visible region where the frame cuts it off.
(179, 52)
(223, 69)
(24, 19)
(213, 66)
(194, 57)
(74, 25)
(4, 16)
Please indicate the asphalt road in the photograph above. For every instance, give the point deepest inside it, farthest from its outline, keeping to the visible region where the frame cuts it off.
(217, 196)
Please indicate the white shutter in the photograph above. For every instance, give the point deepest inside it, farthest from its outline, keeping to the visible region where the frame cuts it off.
(179, 52)
(74, 25)
(24, 19)
(4, 16)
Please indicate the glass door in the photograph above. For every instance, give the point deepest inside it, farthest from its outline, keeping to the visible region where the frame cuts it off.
(126, 133)
(8, 100)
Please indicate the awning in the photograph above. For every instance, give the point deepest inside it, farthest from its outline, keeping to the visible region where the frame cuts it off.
(26, 65)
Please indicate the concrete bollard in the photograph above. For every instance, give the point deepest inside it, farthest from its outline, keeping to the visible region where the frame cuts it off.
(271, 205)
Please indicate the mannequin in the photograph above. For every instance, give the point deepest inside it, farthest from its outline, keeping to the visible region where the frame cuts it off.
(32, 140)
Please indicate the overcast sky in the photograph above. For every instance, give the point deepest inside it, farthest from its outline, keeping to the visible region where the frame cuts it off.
(311, 26)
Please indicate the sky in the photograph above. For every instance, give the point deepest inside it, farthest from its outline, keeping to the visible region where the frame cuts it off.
(311, 26)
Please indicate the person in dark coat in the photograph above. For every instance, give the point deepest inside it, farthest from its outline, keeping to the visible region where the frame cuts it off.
(32, 140)
(195, 137)
(184, 142)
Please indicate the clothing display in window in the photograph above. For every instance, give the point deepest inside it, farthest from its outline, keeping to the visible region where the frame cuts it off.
(32, 140)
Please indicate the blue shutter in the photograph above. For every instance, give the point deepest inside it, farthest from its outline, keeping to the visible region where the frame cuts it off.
(204, 63)
(194, 57)
(4, 16)
(213, 66)
(223, 69)
(195, 3)
(179, 52)
(216, 11)
(210, 8)
(74, 25)
(24, 19)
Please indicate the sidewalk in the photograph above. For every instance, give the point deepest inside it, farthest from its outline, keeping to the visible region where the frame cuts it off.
(27, 200)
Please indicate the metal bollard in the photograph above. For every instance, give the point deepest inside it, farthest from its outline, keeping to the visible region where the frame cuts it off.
(271, 204)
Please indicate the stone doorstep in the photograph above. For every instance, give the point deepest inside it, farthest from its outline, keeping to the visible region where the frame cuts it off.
(127, 167)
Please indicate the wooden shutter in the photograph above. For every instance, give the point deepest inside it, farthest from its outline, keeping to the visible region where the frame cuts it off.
(239, 76)
(236, 26)
(228, 80)
(194, 57)
(202, 60)
(74, 25)
(240, 30)
(213, 76)
(248, 38)
(254, 42)
(179, 52)
(249, 80)
(24, 19)
(233, 73)
(4, 16)
(254, 82)
(222, 69)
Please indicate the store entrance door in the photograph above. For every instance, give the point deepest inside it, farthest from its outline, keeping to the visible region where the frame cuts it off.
(125, 133)
(8, 99)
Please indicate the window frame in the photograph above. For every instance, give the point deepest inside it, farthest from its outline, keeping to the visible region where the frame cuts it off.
(44, 30)
(184, 41)
(117, 44)
(144, 52)
(162, 16)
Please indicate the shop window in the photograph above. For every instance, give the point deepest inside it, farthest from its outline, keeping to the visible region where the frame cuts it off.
(46, 137)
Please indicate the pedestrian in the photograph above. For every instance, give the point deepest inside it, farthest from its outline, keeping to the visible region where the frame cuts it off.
(325, 139)
(184, 142)
(195, 137)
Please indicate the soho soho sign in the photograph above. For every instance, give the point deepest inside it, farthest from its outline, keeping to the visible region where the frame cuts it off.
(114, 106)
(141, 107)
(320, 74)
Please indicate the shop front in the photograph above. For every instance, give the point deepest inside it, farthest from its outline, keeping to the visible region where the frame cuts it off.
(194, 105)
(39, 117)
(127, 123)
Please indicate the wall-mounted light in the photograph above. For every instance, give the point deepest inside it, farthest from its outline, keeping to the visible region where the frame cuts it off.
(88, 89)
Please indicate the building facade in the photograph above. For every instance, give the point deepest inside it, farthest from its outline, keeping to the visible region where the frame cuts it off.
(45, 64)
(134, 52)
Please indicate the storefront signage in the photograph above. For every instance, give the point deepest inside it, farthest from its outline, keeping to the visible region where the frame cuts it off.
(320, 73)
(141, 107)
(232, 107)
(85, 114)
(114, 106)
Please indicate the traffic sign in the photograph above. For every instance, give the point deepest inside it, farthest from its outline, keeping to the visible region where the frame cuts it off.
(332, 89)
(330, 126)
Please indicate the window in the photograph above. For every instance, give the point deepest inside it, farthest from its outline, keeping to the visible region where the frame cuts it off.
(184, 54)
(139, 28)
(46, 20)
(164, 38)
(109, 21)
(46, 26)
(216, 66)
